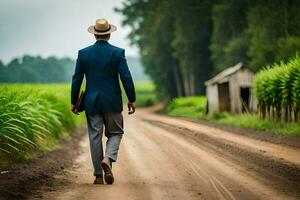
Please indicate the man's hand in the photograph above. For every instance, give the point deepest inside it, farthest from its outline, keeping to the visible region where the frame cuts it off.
(131, 107)
(74, 110)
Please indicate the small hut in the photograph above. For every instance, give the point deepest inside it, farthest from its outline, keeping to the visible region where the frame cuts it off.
(230, 91)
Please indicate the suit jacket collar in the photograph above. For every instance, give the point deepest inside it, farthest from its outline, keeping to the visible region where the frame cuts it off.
(99, 41)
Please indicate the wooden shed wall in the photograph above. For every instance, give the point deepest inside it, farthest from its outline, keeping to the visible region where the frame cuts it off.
(242, 78)
(213, 98)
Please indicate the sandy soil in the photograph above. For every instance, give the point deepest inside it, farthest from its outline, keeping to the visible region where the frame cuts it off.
(168, 158)
(31, 178)
(165, 158)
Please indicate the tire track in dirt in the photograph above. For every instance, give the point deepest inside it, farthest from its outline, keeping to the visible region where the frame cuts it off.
(163, 160)
(285, 176)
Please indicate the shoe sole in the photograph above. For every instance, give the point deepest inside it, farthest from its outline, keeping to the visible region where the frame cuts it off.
(108, 175)
(98, 183)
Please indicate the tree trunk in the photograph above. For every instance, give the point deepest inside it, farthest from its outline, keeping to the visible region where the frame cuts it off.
(286, 113)
(178, 80)
(291, 112)
(263, 108)
(186, 85)
(192, 84)
(296, 113)
(278, 112)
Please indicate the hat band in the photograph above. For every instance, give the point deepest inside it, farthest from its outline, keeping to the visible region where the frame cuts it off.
(102, 31)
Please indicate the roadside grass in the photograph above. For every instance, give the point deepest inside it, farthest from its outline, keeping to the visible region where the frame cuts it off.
(194, 107)
(253, 121)
(33, 118)
(187, 107)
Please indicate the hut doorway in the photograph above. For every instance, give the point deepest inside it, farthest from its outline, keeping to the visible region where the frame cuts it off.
(245, 98)
(224, 96)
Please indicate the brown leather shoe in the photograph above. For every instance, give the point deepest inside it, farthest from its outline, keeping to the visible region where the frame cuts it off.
(108, 175)
(98, 180)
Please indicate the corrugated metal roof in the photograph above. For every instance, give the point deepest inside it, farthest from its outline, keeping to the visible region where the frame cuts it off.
(222, 75)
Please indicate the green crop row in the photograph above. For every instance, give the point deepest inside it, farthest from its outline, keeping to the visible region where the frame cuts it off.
(32, 118)
(277, 89)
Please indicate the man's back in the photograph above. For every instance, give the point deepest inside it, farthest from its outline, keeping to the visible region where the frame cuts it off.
(102, 63)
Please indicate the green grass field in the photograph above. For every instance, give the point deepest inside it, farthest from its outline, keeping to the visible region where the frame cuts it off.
(187, 107)
(34, 116)
(145, 94)
(194, 107)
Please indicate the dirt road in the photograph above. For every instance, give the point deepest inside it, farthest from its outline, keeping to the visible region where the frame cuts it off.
(167, 158)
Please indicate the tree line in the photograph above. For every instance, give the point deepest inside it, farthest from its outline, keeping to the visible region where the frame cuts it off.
(184, 43)
(35, 69)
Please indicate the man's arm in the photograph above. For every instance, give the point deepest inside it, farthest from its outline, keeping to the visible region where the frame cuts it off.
(127, 82)
(77, 80)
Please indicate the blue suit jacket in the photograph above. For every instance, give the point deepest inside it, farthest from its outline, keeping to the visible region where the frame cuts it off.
(102, 64)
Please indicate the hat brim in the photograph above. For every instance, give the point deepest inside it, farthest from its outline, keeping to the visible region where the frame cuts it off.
(113, 28)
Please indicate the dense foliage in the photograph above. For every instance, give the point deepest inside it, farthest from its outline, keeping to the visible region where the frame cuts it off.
(255, 32)
(182, 44)
(277, 89)
(32, 118)
(166, 30)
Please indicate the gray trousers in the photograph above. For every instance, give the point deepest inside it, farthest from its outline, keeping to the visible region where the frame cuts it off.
(113, 124)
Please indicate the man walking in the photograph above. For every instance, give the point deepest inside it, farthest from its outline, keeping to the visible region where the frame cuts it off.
(102, 64)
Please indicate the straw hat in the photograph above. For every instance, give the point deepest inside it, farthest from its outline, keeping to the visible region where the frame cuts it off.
(102, 27)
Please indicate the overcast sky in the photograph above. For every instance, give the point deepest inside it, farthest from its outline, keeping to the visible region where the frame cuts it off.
(55, 27)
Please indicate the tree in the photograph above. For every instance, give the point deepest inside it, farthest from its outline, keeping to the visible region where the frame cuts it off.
(173, 40)
(229, 42)
(182, 44)
(275, 35)
(191, 43)
(152, 31)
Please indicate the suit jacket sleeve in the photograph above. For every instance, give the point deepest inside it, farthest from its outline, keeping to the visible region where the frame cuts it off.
(77, 80)
(126, 78)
